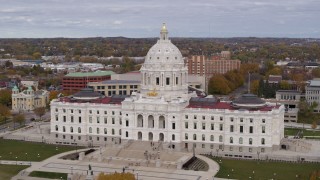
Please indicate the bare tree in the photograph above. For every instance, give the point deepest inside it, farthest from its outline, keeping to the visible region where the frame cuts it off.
(40, 111)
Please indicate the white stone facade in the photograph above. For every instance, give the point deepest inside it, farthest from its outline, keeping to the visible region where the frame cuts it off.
(167, 112)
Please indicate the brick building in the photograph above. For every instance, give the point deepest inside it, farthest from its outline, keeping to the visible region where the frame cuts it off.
(209, 66)
(77, 81)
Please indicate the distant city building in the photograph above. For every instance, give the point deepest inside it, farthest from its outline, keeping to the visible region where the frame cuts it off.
(28, 99)
(290, 99)
(274, 79)
(313, 93)
(77, 81)
(165, 111)
(209, 66)
(28, 83)
(115, 87)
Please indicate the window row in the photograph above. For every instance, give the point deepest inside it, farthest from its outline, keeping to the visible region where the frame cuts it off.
(220, 139)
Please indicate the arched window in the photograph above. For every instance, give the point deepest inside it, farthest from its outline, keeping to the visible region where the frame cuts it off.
(231, 140)
(71, 129)
(57, 128)
(203, 137)
(112, 131)
(98, 130)
(162, 123)
(241, 140)
(194, 137)
(220, 138)
(79, 130)
(90, 130)
(250, 141)
(140, 120)
(64, 129)
(263, 141)
(211, 138)
(105, 130)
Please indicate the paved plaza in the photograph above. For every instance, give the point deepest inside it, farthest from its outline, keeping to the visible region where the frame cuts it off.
(144, 159)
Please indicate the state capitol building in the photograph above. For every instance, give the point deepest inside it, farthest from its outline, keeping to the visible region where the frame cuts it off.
(165, 111)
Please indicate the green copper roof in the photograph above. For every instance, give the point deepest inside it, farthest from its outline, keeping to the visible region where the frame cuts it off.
(88, 74)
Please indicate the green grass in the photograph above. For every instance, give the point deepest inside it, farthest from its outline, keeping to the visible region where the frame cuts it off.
(243, 169)
(28, 151)
(50, 175)
(294, 131)
(8, 171)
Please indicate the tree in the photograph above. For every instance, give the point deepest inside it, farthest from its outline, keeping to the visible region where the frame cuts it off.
(36, 55)
(284, 85)
(40, 111)
(5, 97)
(254, 87)
(218, 84)
(4, 113)
(314, 125)
(116, 176)
(316, 73)
(18, 119)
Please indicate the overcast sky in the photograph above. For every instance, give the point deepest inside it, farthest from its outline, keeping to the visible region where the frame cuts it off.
(143, 18)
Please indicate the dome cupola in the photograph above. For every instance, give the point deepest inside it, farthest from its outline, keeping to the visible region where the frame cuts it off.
(164, 71)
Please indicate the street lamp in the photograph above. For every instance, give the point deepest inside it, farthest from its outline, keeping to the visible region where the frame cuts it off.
(71, 170)
(137, 176)
(16, 160)
(274, 175)
(253, 174)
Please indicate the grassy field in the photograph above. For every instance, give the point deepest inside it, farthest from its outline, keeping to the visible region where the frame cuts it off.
(294, 131)
(247, 169)
(29, 151)
(8, 171)
(50, 175)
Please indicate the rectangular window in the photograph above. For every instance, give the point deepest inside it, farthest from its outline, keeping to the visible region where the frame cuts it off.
(212, 126)
(241, 119)
(212, 117)
(263, 121)
(263, 129)
(173, 125)
(231, 119)
(90, 111)
(98, 120)
(71, 119)
(251, 120)
(98, 112)
(177, 82)
(186, 124)
(231, 128)
(57, 118)
(167, 81)
(203, 126)
(71, 110)
(157, 81)
(105, 112)
(251, 129)
(113, 121)
(79, 119)
(186, 116)
(221, 118)
(221, 127)
(105, 120)
(64, 118)
(127, 123)
(195, 125)
(112, 112)
(195, 117)
(203, 117)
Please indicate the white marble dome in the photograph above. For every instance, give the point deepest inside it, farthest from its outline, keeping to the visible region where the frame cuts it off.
(164, 52)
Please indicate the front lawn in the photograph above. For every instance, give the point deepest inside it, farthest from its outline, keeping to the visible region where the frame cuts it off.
(249, 169)
(49, 175)
(294, 131)
(8, 171)
(29, 151)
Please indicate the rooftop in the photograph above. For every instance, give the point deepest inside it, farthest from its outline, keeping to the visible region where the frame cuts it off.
(116, 82)
(315, 82)
(90, 74)
(116, 99)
